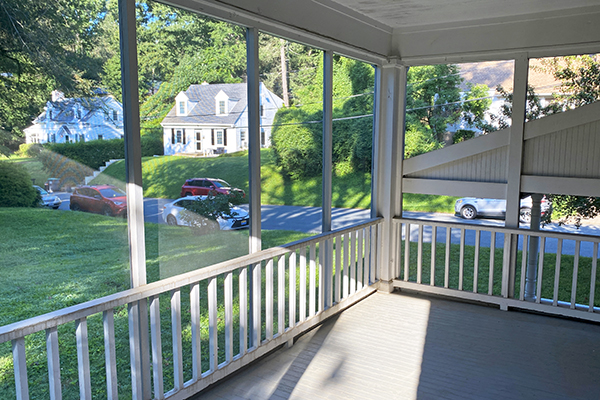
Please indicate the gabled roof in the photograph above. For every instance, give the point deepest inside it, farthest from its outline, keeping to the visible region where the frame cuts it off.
(202, 105)
(66, 108)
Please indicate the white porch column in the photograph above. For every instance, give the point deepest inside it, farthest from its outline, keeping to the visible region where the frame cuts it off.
(327, 173)
(138, 317)
(515, 161)
(388, 153)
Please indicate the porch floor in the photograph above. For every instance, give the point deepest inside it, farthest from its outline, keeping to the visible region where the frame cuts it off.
(398, 346)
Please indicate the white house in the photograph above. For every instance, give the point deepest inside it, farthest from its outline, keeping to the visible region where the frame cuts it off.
(213, 119)
(69, 120)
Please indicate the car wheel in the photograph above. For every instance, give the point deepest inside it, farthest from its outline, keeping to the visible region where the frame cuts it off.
(75, 207)
(171, 220)
(525, 215)
(187, 194)
(107, 211)
(468, 212)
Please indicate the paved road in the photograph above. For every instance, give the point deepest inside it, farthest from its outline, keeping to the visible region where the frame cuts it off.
(308, 219)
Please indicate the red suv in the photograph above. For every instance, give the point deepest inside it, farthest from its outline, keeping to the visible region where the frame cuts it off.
(207, 186)
(101, 199)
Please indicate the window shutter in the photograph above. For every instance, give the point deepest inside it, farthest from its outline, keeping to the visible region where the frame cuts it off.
(172, 135)
(183, 133)
(225, 137)
(212, 137)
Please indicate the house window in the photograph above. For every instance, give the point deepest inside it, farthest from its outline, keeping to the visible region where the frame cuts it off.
(262, 111)
(178, 136)
(66, 138)
(262, 138)
(221, 107)
(100, 137)
(181, 107)
(219, 137)
(242, 136)
(53, 138)
(115, 115)
(78, 114)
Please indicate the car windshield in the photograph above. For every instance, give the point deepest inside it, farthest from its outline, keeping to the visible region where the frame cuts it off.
(112, 192)
(219, 183)
(42, 191)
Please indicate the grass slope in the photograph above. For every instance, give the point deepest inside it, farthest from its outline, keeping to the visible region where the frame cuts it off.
(163, 177)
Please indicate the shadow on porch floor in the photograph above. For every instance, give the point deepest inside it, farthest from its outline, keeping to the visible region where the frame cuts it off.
(401, 346)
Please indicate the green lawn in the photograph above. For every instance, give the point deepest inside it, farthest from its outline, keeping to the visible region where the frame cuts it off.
(55, 259)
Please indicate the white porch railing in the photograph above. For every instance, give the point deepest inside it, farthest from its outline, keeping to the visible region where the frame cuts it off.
(433, 257)
(251, 305)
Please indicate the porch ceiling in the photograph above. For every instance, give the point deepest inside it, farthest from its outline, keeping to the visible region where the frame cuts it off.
(430, 31)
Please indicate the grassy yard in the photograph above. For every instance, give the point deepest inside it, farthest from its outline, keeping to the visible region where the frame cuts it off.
(54, 259)
(163, 177)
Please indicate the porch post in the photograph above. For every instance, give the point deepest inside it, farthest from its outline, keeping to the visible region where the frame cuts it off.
(327, 252)
(515, 158)
(138, 311)
(254, 180)
(388, 153)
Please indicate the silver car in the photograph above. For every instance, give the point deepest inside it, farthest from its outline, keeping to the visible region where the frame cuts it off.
(174, 213)
(472, 207)
(48, 200)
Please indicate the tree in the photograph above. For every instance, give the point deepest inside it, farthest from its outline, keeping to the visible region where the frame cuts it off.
(44, 46)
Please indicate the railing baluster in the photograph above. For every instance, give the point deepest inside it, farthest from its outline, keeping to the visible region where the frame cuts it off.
(20, 367)
(338, 269)
(491, 269)
(593, 277)
(359, 260)
(557, 272)
(269, 300)
(54, 363)
(176, 336)
(476, 261)
(523, 266)
(312, 276)
(433, 249)
(228, 299)
(328, 266)
(195, 327)
(302, 284)
(110, 355)
(406, 252)
(575, 273)
(213, 329)
(420, 254)
(157, 359)
(281, 295)
(346, 266)
(447, 258)
(83, 359)
(367, 258)
(461, 261)
(256, 304)
(538, 296)
(292, 290)
(375, 232)
(243, 299)
(352, 262)
(320, 263)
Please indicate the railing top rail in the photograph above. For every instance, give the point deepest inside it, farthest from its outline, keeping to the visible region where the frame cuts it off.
(487, 228)
(73, 313)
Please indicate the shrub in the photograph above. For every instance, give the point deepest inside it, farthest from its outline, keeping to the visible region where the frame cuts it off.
(16, 189)
(461, 135)
(96, 153)
(30, 149)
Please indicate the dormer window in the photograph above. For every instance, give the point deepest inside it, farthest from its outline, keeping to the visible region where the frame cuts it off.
(115, 115)
(222, 107)
(182, 107)
(222, 104)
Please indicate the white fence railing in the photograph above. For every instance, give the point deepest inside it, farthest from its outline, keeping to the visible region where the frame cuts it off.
(490, 264)
(222, 317)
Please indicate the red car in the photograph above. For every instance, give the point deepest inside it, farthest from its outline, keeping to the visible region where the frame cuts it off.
(101, 199)
(207, 186)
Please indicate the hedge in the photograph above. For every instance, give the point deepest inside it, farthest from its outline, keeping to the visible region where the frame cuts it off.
(16, 189)
(96, 153)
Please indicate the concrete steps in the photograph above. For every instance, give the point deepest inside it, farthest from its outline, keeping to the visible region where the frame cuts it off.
(88, 179)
